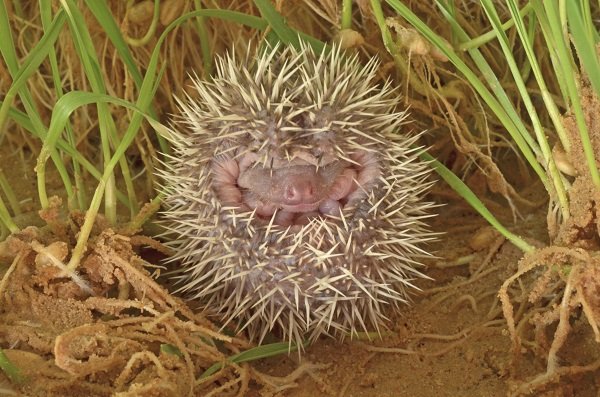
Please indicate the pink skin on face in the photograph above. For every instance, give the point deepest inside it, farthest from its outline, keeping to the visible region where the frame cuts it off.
(343, 184)
(367, 176)
(293, 191)
(285, 218)
(263, 208)
(225, 174)
(330, 207)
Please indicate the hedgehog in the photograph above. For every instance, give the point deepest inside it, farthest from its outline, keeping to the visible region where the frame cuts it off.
(294, 200)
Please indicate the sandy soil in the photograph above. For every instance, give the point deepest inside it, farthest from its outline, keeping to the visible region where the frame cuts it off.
(452, 341)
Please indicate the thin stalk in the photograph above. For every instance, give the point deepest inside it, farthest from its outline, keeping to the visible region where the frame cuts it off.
(142, 216)
(514, 124)
(524, 95)
(585, 44)
(346, 22)
(489, 36)
(566, 62)
(108, 135)
(544, 23)
(106, 19)
(401, 63)
(531, 30)
(135, 42)
(6, 219)
(9, 55)
(386, 35)
(207, 64)
(25, 122)
(452, 11)
(30, 65)
(254, 353)
(463, 190)
(501, 107)
(65, 106)
(10, 194)
(46, 15)
(562, 11)
(586, 12)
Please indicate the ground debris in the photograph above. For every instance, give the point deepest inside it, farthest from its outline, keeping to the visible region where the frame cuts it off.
(106, 329)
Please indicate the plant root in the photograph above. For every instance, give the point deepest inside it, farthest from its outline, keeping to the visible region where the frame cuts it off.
(109, 329)
(571, 277)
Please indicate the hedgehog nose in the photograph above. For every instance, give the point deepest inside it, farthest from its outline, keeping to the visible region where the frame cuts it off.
(299, 192)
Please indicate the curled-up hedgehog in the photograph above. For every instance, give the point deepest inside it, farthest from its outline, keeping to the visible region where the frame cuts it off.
(294, 198)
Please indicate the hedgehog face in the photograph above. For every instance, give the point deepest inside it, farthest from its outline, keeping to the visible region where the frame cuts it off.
(294, 199)
(293, 191)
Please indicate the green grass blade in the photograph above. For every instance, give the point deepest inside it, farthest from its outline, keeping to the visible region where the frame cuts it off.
(10, 194)
(233, 16)
(7, 48)
(6, 219)
(31, 64)
(531, 29)
(11, 370)
(105, 18)
(510, 117)
(544, 23)
(584, 43)
(21, 119)
(540, 135)
(255, 353)
(46, 17)
(205, 49)
(463, 190)
(86, 50)
(386, 35)
(512, 123)
(532, 57)
(277, 22)
(170, 349)
(346, 22)
(9, 55)
(65, 106)
(279, 25)
(562, 46)
(25, 122)
(488, 36)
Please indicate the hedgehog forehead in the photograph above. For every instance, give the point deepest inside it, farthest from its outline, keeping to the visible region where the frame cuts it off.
(306, 136)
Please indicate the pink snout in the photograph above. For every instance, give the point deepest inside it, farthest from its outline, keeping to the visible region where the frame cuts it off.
(299, 189)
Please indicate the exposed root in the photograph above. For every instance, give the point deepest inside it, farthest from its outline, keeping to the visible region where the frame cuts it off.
(281, 383)
(569, 274)
(454, 340)
(549, 377)
(110, 329)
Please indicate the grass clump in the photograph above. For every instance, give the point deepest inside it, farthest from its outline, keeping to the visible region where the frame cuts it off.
(555, 136)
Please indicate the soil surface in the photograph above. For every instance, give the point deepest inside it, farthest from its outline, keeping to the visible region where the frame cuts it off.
(451, 341)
